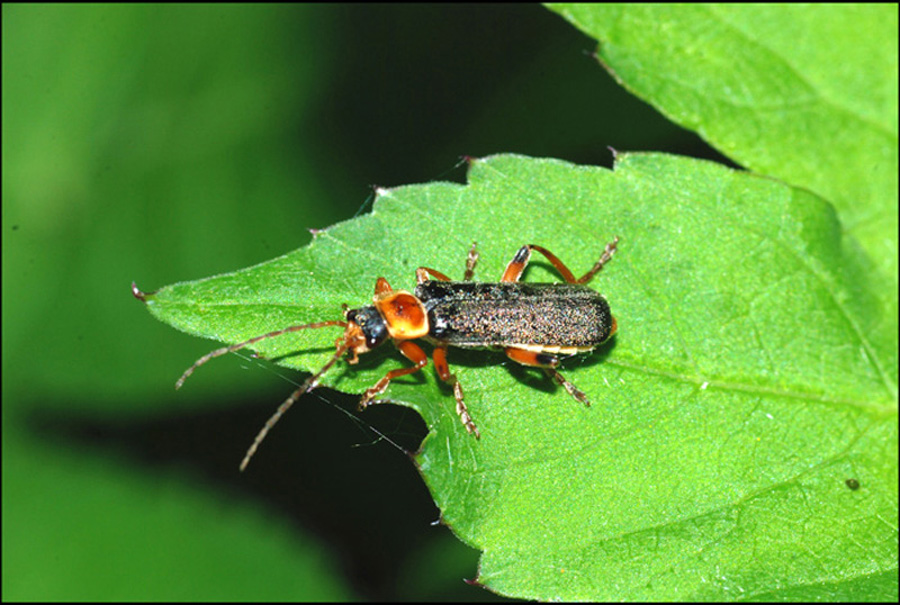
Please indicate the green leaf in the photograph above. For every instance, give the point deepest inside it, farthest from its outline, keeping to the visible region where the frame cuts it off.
(805, 93)
(753, 374)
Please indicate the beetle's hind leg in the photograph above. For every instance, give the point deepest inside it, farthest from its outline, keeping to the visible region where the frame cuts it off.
(517, 265)
(548, 363)
(568, 386)
(443, 369)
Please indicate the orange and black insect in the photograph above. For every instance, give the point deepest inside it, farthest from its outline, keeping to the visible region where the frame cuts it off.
(532, 323)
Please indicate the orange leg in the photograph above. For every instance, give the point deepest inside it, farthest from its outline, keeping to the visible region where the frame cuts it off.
(422, 274)
(382, 287)
(411, 351)
(548, 363)
(443, 370)
(517, 265)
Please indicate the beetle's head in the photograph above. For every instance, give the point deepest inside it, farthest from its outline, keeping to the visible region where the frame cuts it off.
(366, 329)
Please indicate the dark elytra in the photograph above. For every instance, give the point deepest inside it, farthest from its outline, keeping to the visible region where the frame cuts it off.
(501, 314)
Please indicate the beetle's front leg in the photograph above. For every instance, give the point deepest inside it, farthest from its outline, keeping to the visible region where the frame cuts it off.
(411, 351)
(548, 363)
(443, 370)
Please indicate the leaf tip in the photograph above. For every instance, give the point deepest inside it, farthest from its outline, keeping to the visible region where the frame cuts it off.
(138, 294)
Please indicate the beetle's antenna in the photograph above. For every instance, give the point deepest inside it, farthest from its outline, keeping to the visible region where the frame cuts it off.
(310, 383)
(241, 345)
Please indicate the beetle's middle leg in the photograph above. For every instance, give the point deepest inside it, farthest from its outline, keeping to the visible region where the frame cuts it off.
(548, 363)
(517, 265)
(424, 273)
(443, 370)
(471, 261)
(411, 351)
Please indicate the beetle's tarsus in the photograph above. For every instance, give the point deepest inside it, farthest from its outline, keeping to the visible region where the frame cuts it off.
(570, 388)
